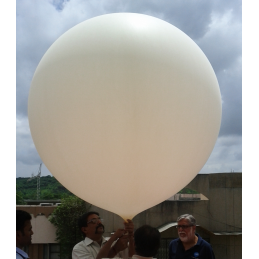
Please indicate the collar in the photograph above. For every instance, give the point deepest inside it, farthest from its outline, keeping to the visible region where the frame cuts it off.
(140, 257)
(89, 241)
(198, 242)
(20, 251)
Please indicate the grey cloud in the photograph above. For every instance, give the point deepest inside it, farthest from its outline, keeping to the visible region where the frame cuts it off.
(230, 82)
(25, 170)
(222, 45)
(192, 17)
(221, 6)
(33, 40)
(226, 155)
(59, 4)
(25, 150)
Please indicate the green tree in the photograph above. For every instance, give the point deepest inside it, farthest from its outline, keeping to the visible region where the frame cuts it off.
(47, 194)
(65, 217)
(19, 198)
(49, 186)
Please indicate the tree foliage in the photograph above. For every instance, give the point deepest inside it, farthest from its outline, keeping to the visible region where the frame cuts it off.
(65, 217)
(50, 188)
(19, 198)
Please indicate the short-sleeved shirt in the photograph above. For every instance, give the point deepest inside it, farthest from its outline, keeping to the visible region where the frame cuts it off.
(202, 250)
(88, 249)
(20, 254)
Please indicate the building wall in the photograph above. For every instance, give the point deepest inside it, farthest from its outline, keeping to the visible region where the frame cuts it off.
(43, 231)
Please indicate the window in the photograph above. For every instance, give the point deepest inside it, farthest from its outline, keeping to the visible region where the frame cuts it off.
(51, 251)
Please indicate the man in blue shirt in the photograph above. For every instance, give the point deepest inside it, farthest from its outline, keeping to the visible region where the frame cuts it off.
(23, 233)
(189, 245)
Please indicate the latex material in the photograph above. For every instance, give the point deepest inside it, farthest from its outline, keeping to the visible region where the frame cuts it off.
(124, 110)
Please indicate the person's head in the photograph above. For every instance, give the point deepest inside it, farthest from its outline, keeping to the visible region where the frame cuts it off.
(90, 224)
(147, 241)
(23, 228)
(186, 226)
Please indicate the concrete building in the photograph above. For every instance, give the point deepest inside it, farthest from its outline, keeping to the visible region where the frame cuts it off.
(217, 208)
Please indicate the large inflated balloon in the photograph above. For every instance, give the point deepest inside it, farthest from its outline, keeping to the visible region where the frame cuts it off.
(124, 110)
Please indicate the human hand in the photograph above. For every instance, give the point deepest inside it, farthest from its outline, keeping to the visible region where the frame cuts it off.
(122, 243)
(119, 233)
(129, 226)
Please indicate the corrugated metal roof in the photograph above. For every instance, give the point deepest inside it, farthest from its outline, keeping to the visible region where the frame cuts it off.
(165, 227)
(227, 233)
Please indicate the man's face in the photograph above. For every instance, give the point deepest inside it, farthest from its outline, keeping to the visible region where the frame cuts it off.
(94, 226)
(25, 236)
(186, 234)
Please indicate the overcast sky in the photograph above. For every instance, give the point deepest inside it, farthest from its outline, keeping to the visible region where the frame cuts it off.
(214, 25)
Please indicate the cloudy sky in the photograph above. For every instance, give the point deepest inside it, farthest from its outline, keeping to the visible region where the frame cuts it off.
(214, 25)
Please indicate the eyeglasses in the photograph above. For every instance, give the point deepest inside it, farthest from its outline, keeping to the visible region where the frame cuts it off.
(183, 226)
(94, 220)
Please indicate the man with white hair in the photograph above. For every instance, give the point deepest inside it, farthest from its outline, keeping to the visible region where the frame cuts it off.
(189, 245)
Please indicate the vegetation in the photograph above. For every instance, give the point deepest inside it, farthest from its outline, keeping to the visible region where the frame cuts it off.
(19, 197)
(188, 191)
(50, 188)
(64, 217)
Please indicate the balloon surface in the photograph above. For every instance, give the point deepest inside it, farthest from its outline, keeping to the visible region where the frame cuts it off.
(124, 110)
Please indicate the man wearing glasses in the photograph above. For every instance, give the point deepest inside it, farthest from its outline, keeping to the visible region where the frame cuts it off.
(189, 245)
(92, 229)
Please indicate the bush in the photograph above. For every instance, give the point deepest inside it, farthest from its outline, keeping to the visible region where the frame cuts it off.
(64, 218)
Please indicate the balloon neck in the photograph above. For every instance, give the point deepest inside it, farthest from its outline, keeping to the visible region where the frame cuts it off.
(126, 218)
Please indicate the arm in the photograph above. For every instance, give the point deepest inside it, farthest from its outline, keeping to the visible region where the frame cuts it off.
(207, 252)
(131, 246)
(106, 250)
(120, 245)
(129, 227)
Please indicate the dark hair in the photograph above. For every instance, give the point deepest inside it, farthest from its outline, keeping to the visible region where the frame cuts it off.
(21, 217)
(82, 220)
(147, 241)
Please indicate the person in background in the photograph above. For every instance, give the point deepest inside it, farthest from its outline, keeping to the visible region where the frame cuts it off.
(92, 229)
(189, 245)
(146, 242)
(23, 233)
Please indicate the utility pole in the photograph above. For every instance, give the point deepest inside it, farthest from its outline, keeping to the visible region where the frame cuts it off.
(38, 181)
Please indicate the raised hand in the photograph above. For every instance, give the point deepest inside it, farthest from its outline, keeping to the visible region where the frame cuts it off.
(129, 227)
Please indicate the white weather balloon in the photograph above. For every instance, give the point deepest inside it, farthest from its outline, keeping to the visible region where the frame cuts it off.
(124, 110)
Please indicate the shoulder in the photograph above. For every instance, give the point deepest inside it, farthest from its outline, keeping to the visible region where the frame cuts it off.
(18, 256)
(206, 249)
(80, 245)
(173, 243)
(20, 253)
(204, 243)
